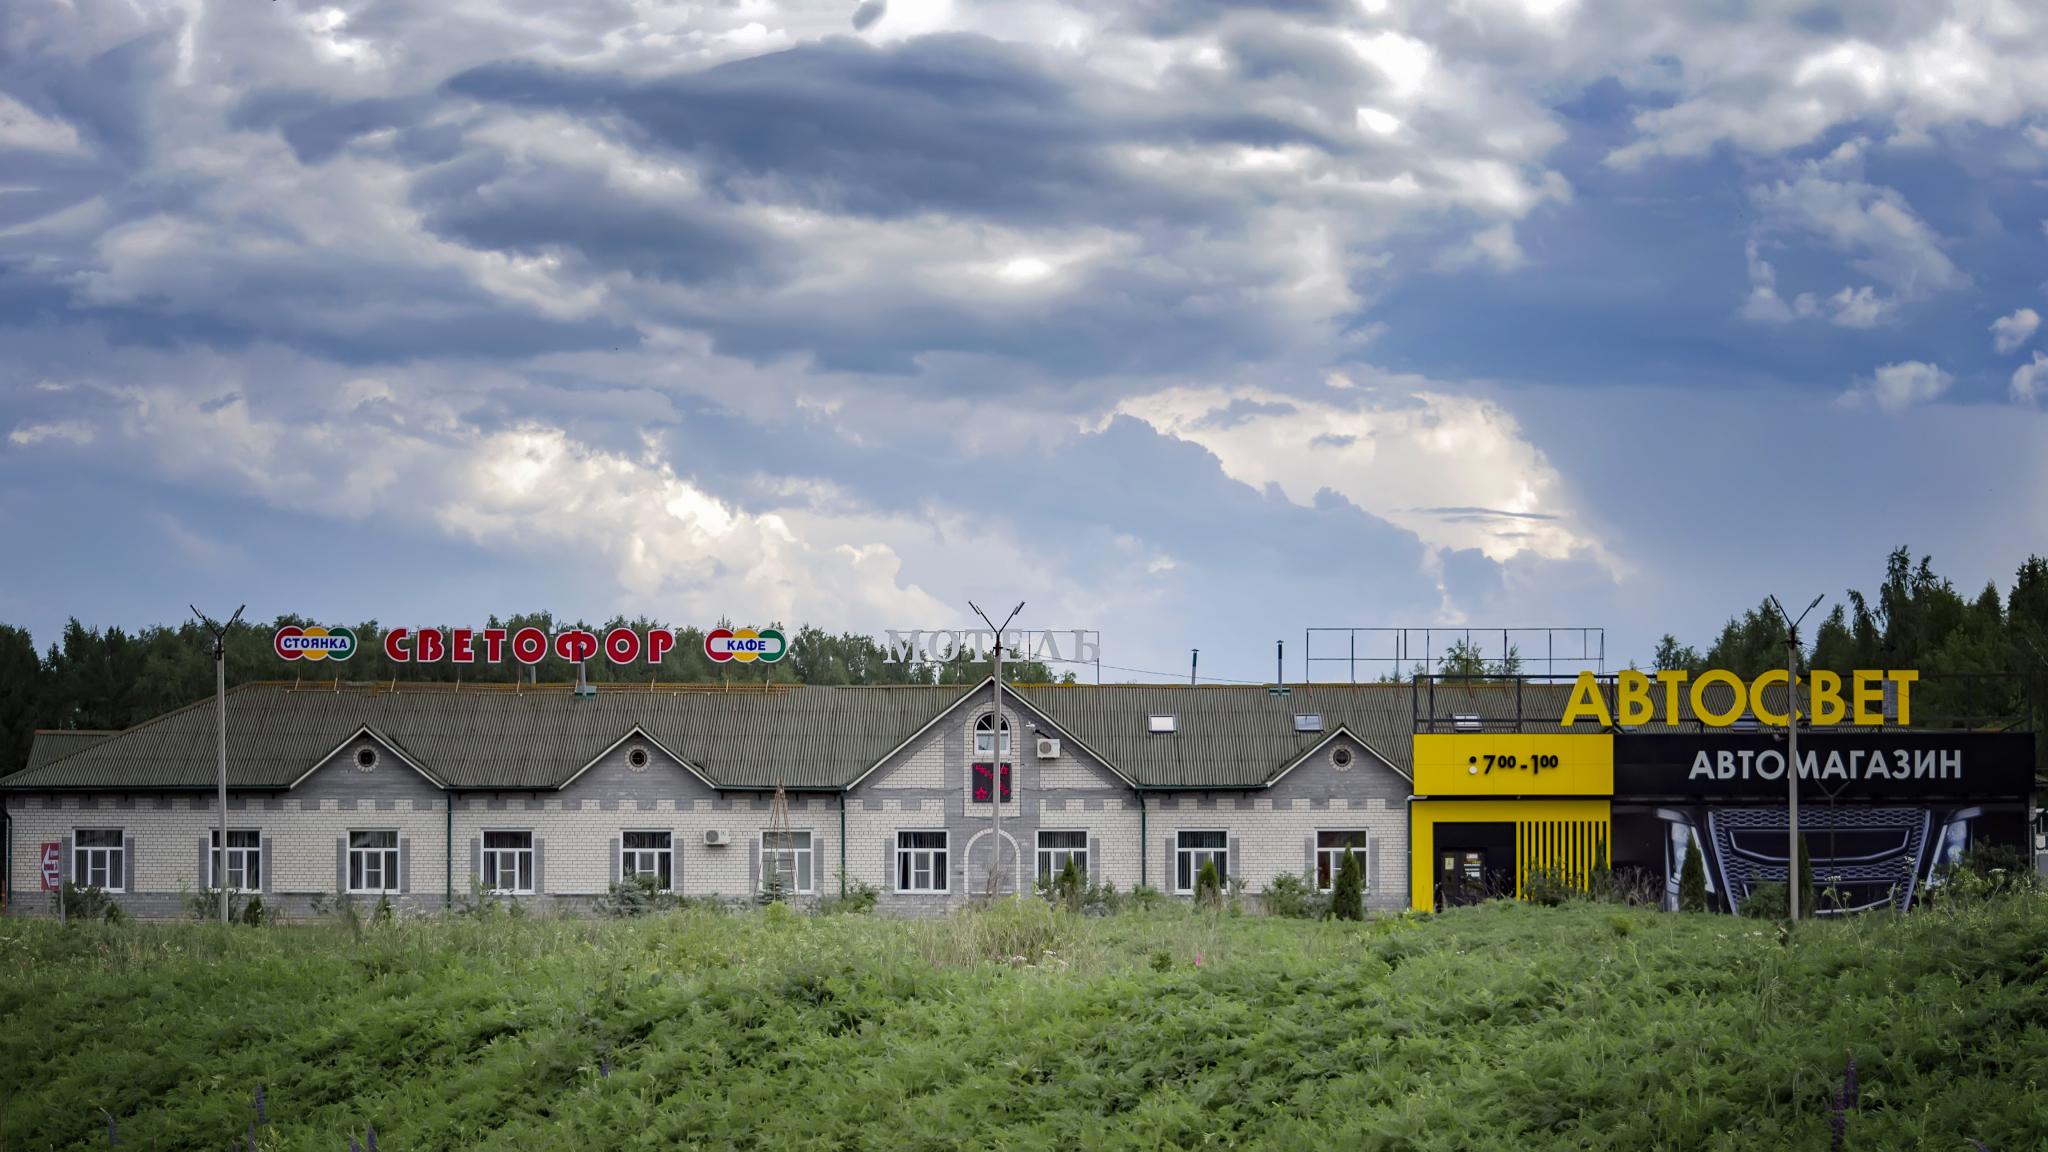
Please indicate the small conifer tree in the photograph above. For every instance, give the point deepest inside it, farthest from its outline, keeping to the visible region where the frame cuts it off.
(1208, 885)
(1692, 880)
(1347, 895)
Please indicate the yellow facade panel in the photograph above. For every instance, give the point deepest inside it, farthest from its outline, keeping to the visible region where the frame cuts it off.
(1514, 764)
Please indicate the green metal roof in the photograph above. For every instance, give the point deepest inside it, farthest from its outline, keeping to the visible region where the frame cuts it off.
(804, 737)
(1226, 736)
(474, 738)
(53, 744)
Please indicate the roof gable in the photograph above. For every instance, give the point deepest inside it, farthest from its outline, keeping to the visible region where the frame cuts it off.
(1012, 698)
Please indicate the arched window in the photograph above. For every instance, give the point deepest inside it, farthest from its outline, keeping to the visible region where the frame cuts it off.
(983, 744)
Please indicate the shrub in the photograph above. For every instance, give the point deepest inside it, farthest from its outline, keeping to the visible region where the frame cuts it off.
(1101, 900)
(1692, 879)
(635, 895)
(88, 903)
(1347, 895)
(1208, 886)
(860, 898)
(1144, 896)
(1547, 886)
(1295, 898)
(382, 913)
(1765, 902)
(1068, 887)
(1632, 886)
(254, 914)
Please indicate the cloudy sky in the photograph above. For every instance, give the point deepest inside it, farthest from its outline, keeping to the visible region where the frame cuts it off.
(1195, 323)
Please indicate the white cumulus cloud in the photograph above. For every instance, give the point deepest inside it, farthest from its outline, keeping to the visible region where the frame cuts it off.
(2009, 332)
(1894, 388)
(2030, 381)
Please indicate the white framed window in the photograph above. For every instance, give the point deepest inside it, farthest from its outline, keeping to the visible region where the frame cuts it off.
(920, 861)
(1191, 850)
(649, 854)
(98, 860)
(1056, 847)
(984, 739)
(787, 856)
(1330, 850)
(508, 862)
(245, 860)
(372, 860)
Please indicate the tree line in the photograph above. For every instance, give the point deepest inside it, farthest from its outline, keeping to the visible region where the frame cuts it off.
(111, 678)
(1984, 659)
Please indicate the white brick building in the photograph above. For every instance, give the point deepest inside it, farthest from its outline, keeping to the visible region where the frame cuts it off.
(427, 794)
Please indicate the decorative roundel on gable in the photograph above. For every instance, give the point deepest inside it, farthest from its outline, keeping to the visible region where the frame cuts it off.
(366, 758)
(1340, 758)
(636, 760)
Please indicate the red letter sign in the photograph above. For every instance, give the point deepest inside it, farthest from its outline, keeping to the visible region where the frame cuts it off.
(622, 645)
(659, 642)
(394, 646)
(529, 645)
(575, 645)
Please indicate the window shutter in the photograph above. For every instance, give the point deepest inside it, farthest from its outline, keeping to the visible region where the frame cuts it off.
(68, 864)
(1095, 868)
(889, 865)
(404, 865)
(476, 860)
(1366, 860)
(821, 849)
(618, 865)
(540, 858)
(205, 864)
(753, 864)
(1172, 879)
(263, 865)
(675, 863)
(1236, 855)
(341, 864)
(1308, 859)
(127, 863)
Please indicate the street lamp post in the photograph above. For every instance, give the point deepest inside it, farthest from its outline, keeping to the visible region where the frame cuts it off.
(995, 736)
(1792, 752)
(220, 724)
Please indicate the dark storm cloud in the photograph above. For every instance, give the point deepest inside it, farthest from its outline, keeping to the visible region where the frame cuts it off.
(1179, 17)
(105, 96)
(954, 123)
(494, 203)
(1270, 52)
(868, 12)
(316, 126)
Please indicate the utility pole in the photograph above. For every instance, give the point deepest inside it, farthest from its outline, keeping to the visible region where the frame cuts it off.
(220, 725)
(995, 768)
(1792, 751)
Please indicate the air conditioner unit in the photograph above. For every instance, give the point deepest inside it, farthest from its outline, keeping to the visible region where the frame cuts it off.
(714, 836)
(1048, 748)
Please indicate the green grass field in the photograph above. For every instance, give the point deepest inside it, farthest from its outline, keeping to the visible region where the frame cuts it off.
(1498, 1027)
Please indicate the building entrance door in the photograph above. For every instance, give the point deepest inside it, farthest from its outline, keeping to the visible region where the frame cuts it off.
(1462, 876)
